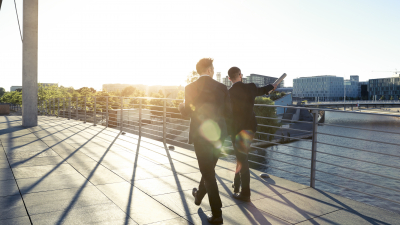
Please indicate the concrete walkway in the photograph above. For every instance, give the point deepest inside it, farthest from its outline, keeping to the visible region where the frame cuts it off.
(68, 172)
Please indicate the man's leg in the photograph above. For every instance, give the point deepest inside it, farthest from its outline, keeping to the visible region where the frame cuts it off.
(236, 180)
(207, 157)
(245, 137)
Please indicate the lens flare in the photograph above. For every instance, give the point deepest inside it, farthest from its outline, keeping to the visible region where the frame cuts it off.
(210, 130)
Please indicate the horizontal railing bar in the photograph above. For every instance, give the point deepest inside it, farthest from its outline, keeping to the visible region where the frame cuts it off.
(230, 147)
(357, 149)
(168, 128)
(359, 181)
(361, 171)
(282, 153)
(334, 125)
(151, 134)
(395, 167)
(326, 109)
(306, 131)
(178, 135)
(359, 191)
(277, 143)
(262, 117)
(178, 141)
(361, 139)
(279, 169)
(178, 124)
(283, 136)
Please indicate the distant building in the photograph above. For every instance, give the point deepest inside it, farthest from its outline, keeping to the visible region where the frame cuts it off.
(322, 88)
(115, 87)
(226, 81)
(285, 89)
(262, 80)
(363, 90)
(14, 88)
(219, 77)
(387, 87)
(257, 79)
(352, 87)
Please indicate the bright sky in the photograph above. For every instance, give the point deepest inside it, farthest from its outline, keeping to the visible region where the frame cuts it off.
(90, 43)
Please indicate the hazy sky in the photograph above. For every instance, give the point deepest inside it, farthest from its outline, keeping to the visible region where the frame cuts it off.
(89, 43)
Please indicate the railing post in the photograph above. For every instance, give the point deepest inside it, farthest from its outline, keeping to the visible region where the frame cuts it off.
(165, 121)
(63, 107)
(85, 109)
(122, 112)
(107, 111)
(69, 108)
(140, 117)
(58, 107)
(94, 111)
(76, 108)
(314, 147)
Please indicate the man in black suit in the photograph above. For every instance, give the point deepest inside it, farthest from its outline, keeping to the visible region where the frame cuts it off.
(208, 105)
(244, 126)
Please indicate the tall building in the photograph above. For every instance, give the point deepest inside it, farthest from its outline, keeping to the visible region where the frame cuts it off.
(352, 87)
(322, 88)
(226, 81)
(219, 77)
(386, 87)
(14, 88)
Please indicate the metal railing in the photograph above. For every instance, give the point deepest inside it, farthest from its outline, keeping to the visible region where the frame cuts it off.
(354, 102)
(159, 119)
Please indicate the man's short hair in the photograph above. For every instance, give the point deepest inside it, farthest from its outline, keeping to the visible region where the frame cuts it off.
(234, 72)
(203, 65)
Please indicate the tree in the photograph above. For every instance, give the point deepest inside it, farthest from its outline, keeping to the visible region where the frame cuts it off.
(382, 97)
(128, 91)
(391, 98)
(192, 77)
(2, 91)
(266, 112)
(85, 91)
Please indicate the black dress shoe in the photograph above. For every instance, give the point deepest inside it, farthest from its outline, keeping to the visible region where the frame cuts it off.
(215, 219)
(241, 197)
(197, 201)
(235, 190)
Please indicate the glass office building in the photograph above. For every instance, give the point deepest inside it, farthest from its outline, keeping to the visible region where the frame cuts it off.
(389, 88)
(322, 88)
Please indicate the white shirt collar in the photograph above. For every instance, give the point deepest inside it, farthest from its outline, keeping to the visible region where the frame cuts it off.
(205, 75)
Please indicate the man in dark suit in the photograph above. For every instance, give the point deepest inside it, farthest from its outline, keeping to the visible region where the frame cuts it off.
(208, 105)
(244, 126)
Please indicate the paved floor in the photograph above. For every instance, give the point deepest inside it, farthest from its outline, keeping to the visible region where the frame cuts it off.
(68, 172)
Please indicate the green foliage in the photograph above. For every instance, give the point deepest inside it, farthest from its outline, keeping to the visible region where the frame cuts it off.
(391, 98)
(2, 91)
(382, 97)
(181, 95)
(266, 112)
(276, 95)
(13, 97)
(192, 77)
(128, 91)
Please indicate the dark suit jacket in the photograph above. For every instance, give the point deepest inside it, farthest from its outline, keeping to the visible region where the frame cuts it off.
(208, 105)
(242, 98)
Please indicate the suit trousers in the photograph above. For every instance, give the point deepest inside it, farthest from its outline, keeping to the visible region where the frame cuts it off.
(241, 145)
(207, 157)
